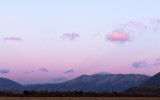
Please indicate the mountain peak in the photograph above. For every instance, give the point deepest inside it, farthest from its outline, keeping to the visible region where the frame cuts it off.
(153, 81)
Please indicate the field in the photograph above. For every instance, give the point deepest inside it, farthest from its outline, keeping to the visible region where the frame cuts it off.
(79, 98)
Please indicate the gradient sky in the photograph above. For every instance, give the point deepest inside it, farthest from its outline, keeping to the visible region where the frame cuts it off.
(56, 40)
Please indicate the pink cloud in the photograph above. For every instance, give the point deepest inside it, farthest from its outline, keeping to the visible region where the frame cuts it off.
(12, 39)
(135, 25)
(158, 20)
(155, 24)
(70, 36)
(123, 32)
(155, 29)
(132, 27)
(118, 36)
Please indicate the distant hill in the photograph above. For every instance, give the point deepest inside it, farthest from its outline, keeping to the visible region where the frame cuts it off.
(154, 81)
(143, 90)
(96, 83)
(6, 84)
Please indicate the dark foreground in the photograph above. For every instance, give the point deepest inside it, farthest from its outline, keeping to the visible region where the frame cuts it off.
(79, 98)
(76, 94)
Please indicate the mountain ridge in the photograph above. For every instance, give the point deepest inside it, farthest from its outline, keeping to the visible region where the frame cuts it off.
(93, 83)
(96, 83)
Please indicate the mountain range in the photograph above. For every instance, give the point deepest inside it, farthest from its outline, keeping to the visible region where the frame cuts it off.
(95, 83)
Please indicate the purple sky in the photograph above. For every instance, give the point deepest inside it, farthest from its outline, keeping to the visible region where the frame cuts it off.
(56, 40)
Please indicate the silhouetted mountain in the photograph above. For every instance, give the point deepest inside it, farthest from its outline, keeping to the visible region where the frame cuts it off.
(6, 84)
(143, 90)
(96, 82)
(154, 81)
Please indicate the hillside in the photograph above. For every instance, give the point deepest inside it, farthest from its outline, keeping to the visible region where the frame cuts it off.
(154, 81)
(96, 83)
(143, 90)
(6, 84)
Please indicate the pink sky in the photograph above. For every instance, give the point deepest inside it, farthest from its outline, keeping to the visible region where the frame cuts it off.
(56, 41)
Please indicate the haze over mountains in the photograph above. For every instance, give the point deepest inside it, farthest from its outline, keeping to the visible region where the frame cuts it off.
(96, 83)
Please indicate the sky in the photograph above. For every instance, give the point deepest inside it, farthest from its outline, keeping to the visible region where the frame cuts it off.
(51, 41)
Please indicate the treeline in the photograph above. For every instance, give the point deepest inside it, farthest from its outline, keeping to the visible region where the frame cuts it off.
(80, 93)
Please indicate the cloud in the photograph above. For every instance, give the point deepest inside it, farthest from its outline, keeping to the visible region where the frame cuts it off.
(142, 64)
(70, 36)
(12, 39)
(27, 72)
(69, 71)
(4, 71)
(158, 20)
(155, 24)
(43, 70)
(118, 36)
(59, 79)
(123, 32)
(134, 26)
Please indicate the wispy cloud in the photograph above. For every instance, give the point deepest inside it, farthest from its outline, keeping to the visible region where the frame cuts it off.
(43, 70)
(118, 36)
(142, 64)
(155, 24)
(158, 21)
(59, 79)
(4, 71)
(69, 71)
(134, 26)
(123, 32)
(28, 72)
(70, 36)
(12, 39)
